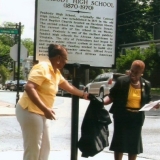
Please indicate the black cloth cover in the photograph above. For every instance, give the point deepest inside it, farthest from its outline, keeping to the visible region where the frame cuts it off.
(94, 129)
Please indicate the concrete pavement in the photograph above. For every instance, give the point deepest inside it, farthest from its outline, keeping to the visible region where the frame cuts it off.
(8, 109)
(62, 155)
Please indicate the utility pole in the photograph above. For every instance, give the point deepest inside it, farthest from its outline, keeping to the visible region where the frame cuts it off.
(14, 62)
(18, 60)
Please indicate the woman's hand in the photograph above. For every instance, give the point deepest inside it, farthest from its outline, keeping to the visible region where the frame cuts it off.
(157, 106)
(73, 90)
(49, 113)
(85, 96)
(107, 100)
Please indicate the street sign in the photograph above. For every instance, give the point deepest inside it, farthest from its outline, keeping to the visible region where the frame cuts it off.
(14, 52)
(9, 30)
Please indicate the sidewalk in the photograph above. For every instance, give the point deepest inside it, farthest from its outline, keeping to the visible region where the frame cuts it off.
(63, 155)
(7, 109)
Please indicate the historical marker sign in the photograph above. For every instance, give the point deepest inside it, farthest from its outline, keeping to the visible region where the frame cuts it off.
(86, 28)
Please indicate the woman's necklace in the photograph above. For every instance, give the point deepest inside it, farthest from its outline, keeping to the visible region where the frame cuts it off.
(135, 84)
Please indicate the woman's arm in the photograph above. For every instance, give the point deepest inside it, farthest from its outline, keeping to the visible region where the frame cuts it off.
(73, 90)
(30, 89)
(107, 100)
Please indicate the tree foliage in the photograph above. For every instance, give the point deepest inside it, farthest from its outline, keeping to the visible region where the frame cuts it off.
(135, 20)
(4, 73)
(152, 62)
(28, 43)
(135, 23)
(123, 62)
(4, 54)
(6, 42)
(150, 58)
(94, 72)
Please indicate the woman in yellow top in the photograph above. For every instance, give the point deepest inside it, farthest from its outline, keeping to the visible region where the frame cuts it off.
(128, 95)
(34, 109)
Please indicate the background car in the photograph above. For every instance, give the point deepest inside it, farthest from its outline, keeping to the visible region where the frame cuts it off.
(102, 83)
(1, 86)
(63, 92)
(13, 86)
(23, 87)
(7, 84)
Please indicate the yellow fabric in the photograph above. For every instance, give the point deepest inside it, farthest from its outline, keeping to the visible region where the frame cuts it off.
(134, 98)
(48, 81)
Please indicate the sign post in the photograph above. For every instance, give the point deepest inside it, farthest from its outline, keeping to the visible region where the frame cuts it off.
(18, 60)
(74, 115)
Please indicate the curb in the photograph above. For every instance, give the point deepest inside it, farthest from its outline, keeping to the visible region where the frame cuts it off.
(7, 114)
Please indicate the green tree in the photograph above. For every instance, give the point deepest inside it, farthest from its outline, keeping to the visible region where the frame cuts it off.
(94, 72)
(4, 73)
(124, 62)
(7, 41)
(4, 54)
(28, 43)
(152, 62)
(152, 15)
(151, 59)
(135, 20)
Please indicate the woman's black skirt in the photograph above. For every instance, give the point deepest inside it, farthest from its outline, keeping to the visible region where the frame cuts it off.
(127, 133)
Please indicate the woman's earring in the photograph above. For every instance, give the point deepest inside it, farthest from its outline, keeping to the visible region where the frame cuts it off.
(141, 74)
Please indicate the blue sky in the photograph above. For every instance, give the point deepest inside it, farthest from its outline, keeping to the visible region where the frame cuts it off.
(19, 11)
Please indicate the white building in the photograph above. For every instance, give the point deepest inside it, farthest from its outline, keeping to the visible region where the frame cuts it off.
(141, 45)
(27, 64)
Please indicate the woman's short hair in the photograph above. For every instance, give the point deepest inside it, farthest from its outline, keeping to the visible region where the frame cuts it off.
(138, 63)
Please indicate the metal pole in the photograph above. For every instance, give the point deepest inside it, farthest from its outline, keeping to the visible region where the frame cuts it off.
(14, 70)
(18, 61)
(86, 76)
(74, 118)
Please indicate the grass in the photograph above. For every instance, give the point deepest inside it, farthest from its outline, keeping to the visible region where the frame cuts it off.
(155, 91)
